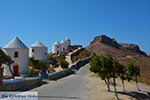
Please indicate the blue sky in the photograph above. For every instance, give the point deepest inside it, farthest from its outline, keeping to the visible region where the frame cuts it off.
(80, 20)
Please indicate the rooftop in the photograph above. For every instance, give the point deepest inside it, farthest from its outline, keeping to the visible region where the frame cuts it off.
(38, 44)
(15, 43)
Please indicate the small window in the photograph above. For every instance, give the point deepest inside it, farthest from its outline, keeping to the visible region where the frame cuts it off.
(32, 50)
(16, 54)
(57, 52)
(45, 53)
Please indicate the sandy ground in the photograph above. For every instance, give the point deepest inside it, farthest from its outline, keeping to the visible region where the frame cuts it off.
(98, 90)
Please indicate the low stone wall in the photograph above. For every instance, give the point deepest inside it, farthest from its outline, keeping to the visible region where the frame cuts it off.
(77, 65)
(20, 85)
(80, 63)
(76, 52)
(60, 74)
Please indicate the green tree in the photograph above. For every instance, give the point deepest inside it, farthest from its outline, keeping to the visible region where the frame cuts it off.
(100, 65)
(117, 70)
(36, 67)
(133, 73)
(38, 64)
(42, 65)
(32, 72)
(63, 63)
(106, 67)
(4, 59)
(52, 60)
(123, 75)
(31, 61)
(95, 64)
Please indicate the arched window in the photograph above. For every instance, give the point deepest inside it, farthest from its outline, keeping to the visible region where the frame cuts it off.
(57, 46)
(32, 50)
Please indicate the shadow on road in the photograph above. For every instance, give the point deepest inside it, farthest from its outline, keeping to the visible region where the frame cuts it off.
(58, 97)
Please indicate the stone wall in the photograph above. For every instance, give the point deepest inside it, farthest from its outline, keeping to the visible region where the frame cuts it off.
(76, 66)
(27, 83)
(60, 74)
(76, 52)
(80, 63)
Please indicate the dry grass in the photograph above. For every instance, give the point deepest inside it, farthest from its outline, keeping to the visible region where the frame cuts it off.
(98, 91)
(144, 64)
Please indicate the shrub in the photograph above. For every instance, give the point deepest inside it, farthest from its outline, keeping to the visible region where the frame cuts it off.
(32, 73)
(64, 64)
(38, 64)
(51, 69)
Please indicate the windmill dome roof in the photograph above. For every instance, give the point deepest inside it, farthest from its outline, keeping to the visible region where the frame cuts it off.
(56, 43)
(67, 39)
(38, 44)
(63, 41)
(15, 43)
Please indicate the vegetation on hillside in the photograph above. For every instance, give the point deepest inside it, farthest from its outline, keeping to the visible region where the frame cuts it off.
(143, 63)
(58, 60)
(63, 63)
(126, 54)
(74, 47)
(109, 69)
(83, 53)
(36, 66)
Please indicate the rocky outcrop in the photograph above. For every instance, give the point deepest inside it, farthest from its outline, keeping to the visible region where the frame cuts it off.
(133, 47)
(106, 45)
(106, 40)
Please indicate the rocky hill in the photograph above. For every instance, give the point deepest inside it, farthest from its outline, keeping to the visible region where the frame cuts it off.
(106, 40)
(106, 45)
(126, 53)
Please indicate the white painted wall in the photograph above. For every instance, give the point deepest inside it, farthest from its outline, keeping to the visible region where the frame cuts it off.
(22, 59)
(62, 46)
(68, 42)
(56, 48)
(40, 53)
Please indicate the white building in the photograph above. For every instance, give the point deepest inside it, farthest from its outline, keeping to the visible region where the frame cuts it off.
(63, 45)
(39, 51)
(56, 48)
(19, 53)
(68, 42)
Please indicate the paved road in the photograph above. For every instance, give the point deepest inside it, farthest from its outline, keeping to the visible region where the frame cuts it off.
(73, 87)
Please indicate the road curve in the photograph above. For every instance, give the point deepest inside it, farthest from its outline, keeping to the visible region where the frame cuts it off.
(73, 87)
